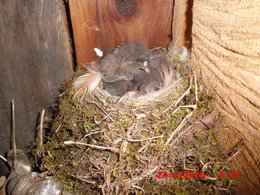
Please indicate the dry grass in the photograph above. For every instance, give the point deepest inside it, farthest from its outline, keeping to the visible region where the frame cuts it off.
(103, 145)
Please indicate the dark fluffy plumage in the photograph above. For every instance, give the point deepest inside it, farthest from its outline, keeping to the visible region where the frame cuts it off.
(124, 69)
(130, 67)
(127, 58)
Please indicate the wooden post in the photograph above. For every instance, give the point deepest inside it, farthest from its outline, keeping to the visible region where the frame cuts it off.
(181, 25)
(225, 51)
(35, 60)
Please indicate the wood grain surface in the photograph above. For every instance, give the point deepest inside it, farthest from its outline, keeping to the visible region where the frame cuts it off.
(106, 23)
(225, 51)
(35, 60)
(182, 22)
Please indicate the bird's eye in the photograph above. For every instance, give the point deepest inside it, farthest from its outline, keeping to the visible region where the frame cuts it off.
(141, 60)
(144, 67)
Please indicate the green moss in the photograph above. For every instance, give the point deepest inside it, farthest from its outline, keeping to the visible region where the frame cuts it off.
(87, 123)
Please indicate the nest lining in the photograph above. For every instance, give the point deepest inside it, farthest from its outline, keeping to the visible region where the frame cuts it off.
(130, 71)
(107, 146)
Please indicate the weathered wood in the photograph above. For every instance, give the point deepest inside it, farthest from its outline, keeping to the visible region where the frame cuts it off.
(35, 59)
(181, 24)
(107, 23)
(226, 45)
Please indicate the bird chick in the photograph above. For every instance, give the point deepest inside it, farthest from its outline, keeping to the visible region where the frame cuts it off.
(130, 67)
(119, 67)
(154, 80)
(127, 58)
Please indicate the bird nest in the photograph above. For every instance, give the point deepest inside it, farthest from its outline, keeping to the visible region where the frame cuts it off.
(114, 145)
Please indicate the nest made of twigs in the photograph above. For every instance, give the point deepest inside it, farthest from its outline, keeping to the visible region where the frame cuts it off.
(116, 147)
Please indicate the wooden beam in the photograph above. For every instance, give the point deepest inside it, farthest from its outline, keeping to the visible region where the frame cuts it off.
(225, 51)
(35, 60)
(182, 21)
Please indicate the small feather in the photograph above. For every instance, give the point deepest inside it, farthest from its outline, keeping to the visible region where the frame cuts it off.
(185, 54)
(99, 52)
(168, 75)
(86, 84)
(139, 116)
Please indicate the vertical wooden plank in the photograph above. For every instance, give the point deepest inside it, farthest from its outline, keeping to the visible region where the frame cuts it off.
(107, 23)
(182, 20)
(35, 60)
(86, 30)
(225, 51)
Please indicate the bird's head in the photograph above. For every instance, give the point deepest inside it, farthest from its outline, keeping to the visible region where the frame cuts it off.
(145, 67)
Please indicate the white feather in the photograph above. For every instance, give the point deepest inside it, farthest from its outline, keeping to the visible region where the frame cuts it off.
(139, 116)
(185, 54)
(99, 52)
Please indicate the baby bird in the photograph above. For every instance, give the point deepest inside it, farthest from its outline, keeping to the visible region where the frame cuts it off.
(130, 67)
(127, 58)
(120, 66)
(154, 80)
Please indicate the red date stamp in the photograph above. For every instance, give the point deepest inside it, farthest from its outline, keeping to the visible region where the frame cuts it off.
(201, 175)
(176, 174)
(230, 174)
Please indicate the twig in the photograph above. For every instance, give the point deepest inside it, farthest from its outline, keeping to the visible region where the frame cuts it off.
(138, 140)
(180, 98)
(146, 139)
(93, 133)
(184, 121)
(196, 87)
(101, 108)
(176, 110)
(143, 149)
(58, 128)
(236, 153)
(3, 158)
(181, 125)
(139, 188)
(210, 178)
(202, 162)
(115, 169)
(124, 144)
(115, 150)
(82, 179)
(224, 189)
(189, 106)
(107, 116)
(181, 134)
(41, 128)
(188, 169)
(137, 179)
(103, 189)
(185, 106)
(205, 166)
(13, 136)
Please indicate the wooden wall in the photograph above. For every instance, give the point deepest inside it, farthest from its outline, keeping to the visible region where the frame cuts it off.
(226, 54)
(181, 24)
(107, 23)
(35, 59)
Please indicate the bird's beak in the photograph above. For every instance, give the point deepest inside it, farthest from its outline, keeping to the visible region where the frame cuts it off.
(145, 67)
